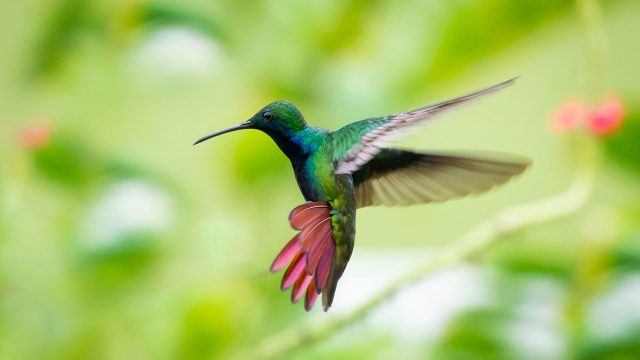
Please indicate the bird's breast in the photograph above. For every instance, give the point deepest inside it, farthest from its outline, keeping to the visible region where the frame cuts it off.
(317, 180)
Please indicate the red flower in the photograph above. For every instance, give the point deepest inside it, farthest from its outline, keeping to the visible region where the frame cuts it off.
(606, 118)
(35, 136)
(569, 116)
(600, 120)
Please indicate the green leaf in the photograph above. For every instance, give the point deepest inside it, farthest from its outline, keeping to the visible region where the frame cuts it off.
(624, 146)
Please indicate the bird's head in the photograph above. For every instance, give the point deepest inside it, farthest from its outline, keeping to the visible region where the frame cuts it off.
(276, 119)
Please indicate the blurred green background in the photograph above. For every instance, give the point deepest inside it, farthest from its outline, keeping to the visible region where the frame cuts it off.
(119, 240)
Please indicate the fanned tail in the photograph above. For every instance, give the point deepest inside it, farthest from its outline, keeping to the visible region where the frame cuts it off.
(309, 254)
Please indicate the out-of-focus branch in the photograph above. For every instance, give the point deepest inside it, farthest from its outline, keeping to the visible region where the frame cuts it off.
(591, 15)
(471, 244)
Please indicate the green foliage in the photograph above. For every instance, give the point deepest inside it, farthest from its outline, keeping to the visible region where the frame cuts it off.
(62, 35)
(626, 256)
(68, 161)
(624, 348)
(193, 282)
(162, 14)
(476, 334)
(207, 329)
(528, 256)
(108, 268)
(624, 147)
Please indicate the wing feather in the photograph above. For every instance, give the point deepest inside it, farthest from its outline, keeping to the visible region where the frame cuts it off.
(399, 177)
(367, 137)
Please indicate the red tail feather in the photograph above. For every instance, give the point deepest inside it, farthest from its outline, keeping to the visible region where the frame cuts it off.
(286, 254)
(300, 287)
(311, 297)
(293, 271)
(316, 252)
(306, 213)
(312, 249)
(323, 269)
(313, 233)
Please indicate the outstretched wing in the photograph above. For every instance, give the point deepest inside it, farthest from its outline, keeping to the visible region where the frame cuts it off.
(396, 177)
(359, 142)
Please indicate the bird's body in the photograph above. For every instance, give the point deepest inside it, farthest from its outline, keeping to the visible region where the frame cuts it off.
(341, 171)
(311, 152)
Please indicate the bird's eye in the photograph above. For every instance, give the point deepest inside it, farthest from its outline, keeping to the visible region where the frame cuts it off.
(267, 115)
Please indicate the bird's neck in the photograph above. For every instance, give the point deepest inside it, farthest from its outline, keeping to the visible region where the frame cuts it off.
(296, 145)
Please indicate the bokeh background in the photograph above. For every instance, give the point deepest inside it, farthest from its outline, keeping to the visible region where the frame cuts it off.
(119, 240)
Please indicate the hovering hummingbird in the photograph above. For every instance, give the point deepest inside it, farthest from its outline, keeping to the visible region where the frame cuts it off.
(341, 171)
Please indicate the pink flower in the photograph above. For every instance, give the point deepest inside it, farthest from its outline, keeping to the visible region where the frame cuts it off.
(601, 120)
(607, 118)
(35, 136)
(569, 116)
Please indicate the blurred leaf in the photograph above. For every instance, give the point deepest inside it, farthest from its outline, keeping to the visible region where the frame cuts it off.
(67, 161)
(207, 329)
(113, 265)
(118, 169)
(624, 146)
(70, 19)
(164, 14)
(626, 347)
(530, 256)
(626, 257)
(476, 334)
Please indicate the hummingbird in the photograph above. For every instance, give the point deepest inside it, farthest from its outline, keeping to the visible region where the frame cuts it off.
(353, 167)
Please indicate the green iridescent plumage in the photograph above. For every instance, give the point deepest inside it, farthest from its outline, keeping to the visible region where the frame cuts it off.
(340, 171)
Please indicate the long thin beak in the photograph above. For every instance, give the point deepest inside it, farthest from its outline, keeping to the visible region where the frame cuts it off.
(244, 125)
